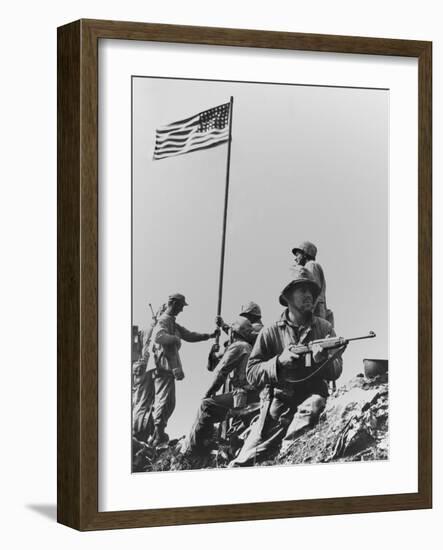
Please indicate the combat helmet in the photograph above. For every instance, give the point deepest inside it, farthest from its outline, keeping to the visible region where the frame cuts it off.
(299, 275)
(244, 328)
(250, 308)
(308, 248)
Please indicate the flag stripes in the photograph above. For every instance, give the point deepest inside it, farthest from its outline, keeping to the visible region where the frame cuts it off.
(201, 131)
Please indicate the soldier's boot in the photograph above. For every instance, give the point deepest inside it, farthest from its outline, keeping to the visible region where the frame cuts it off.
(160, 438)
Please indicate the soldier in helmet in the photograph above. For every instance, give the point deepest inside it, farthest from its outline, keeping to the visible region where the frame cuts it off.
(288, 408)
(167, 338)
(250, 311)
(215, 408)
(305, 255)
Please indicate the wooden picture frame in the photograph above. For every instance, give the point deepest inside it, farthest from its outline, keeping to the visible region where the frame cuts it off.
(77, 480)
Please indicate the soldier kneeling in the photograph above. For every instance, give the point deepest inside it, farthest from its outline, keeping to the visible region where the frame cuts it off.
(293, 393)
(215, 408)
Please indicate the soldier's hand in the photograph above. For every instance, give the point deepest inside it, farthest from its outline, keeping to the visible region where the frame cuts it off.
(318, 353)
(212, 390)
(216, 333)
(287, 358)
(219, 321)
(178, 374)
(139, 368)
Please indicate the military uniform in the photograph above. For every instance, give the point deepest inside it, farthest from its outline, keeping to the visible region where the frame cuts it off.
(286, 408)
(167, 337)
(143, 392)
(316, 270)
(232, 367)
(310, 252)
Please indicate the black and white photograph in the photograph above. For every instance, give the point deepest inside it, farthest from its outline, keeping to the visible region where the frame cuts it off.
(260, 274)
(222, 253)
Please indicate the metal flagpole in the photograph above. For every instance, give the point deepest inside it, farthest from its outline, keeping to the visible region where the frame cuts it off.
(225, 215)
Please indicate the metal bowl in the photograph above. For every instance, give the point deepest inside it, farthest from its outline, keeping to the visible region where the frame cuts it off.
(375, 367)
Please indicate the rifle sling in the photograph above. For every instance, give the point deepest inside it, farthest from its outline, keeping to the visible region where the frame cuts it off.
(340, 350)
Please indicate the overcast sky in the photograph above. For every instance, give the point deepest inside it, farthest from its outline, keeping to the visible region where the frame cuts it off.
(307, 163)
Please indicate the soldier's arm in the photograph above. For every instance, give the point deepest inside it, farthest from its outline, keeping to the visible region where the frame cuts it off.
(221, 324)
(232, 358)
(317, 272)
(189, 336)
(163, 336)
(335, 368)
(262, 365)
(228, 363)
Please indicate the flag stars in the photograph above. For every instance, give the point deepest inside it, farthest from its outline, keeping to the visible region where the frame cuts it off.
(214, 119)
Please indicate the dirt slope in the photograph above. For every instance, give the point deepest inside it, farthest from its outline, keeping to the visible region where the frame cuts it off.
(353, 427)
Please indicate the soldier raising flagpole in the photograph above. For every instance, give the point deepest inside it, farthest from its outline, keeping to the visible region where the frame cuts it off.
(202, 131)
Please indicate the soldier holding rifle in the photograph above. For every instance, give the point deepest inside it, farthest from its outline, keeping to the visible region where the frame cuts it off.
(294, 385)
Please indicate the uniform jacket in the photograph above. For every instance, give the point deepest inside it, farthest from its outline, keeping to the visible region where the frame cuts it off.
(166, 333)
(317, 272)
(257, 326)
(262, 367)
(233, 364)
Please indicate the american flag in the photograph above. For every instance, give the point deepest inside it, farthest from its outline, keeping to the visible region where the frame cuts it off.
(201, 131)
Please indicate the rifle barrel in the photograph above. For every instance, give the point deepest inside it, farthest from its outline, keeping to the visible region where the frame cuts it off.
(370, 335)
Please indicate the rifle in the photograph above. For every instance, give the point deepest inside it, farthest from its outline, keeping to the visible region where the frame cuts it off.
(148, 344)
(337, 343)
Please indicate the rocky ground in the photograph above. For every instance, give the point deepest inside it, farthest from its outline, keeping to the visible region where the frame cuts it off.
(353, 427)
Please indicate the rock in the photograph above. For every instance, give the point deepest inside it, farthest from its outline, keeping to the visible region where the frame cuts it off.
(339, 408)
